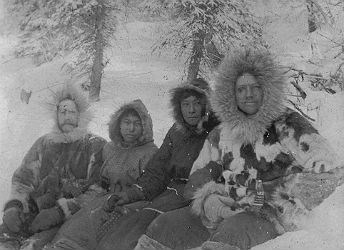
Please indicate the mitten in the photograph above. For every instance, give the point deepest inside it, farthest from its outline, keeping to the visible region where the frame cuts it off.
(13, 219)
(125, 181)
(70, 190)
(130, 195)
(217, 207)
(114, 200)
(47, 218)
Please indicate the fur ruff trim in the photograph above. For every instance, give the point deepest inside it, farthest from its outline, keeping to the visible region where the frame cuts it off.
(70, 92)
(60, 137)
(203, 193)
(247, 129)
(291, 212)
(63, 203)
(176, 94)
(146, 120)
(301, 193)
(147, 243)
(20, 191)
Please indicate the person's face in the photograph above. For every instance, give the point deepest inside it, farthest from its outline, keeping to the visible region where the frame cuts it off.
(191, 108)
(130, 128)
(248, 94)
(67, 116)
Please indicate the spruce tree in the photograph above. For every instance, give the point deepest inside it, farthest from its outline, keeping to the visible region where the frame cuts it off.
(202, 31)
(80, 28)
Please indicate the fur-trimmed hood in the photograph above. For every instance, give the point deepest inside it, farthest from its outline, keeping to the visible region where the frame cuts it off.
(199, 86)
(242, 128)
(69, 92)
(140, 108)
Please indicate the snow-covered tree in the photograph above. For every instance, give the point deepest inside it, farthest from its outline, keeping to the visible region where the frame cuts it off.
(82, 28)
(201, 31)
(312, 48)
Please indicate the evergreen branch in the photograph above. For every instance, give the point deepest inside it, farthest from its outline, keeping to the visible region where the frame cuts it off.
(302, 113)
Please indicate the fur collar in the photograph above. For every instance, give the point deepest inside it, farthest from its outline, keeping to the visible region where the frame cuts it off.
(239, 127)
(70, 92)
(58, 136)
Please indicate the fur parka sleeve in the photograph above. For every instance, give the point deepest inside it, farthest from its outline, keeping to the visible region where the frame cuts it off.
(26, 178)
(309, 149)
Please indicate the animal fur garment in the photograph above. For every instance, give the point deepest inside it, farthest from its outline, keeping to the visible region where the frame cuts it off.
(271, 145)
(58, 165)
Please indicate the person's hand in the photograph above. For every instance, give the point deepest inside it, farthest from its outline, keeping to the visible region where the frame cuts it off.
(46, 219)
(203, 119)
(69, 190)
(114, 200)
(122, 183)
(13, 219)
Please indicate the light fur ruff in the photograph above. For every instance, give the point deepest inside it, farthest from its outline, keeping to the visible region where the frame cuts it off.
(248, 129)
(291, 212)
(70, 92)
(203, 193)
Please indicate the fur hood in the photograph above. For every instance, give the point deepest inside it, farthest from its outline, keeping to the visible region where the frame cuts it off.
(199, 86)
(242, 128)
(68, 91)
(140, 108)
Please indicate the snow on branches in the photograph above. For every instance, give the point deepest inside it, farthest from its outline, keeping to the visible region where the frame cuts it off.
(203, 30)
(53, 28)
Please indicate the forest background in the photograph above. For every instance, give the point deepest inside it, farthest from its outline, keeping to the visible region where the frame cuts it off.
(117, 51)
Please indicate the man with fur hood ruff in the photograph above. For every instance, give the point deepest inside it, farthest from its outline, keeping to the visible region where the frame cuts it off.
(49, 185)
(258, 139)
(165, 175)
(125, 158)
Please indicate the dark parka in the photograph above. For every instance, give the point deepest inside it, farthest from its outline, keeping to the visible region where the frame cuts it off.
(58, 170)
(59, 167)
(166, 174)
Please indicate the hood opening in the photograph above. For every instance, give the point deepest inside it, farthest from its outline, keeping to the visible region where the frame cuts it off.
(261, 65)
(198, 88)
(139, 109)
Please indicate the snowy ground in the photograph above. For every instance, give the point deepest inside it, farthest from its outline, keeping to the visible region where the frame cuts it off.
(135, 73)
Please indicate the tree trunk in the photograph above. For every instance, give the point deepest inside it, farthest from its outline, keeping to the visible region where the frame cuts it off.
(196, 56)
(312, 26)
(98, 66)
(212, 53)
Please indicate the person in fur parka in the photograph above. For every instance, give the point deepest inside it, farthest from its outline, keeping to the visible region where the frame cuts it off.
(58, 169)
(163, 181)
(259, 138)
(125, 158)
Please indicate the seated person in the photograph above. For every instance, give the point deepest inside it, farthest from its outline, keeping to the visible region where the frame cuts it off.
(125, 158)
(59, 167)
(259, 139)
(165, 176)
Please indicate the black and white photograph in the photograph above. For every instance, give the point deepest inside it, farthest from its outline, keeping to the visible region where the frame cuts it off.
(172, 124)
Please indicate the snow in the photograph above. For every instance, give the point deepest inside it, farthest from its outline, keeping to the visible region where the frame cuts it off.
(324, 229)
(133, 72)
